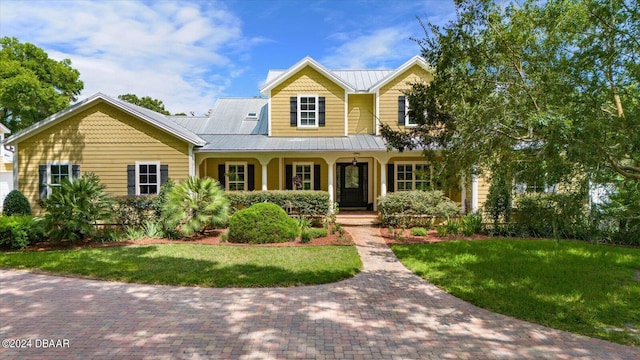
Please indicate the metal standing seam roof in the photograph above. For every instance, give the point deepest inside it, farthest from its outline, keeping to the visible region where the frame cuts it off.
(361, 80)
(259, 143)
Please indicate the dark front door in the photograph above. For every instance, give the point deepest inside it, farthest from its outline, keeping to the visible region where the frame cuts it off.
(352, 185)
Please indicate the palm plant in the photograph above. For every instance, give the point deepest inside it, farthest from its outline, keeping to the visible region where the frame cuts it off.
(75, 207)
(195, 205)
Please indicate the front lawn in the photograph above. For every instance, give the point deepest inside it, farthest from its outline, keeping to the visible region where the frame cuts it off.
(583, 288)
(198, 265)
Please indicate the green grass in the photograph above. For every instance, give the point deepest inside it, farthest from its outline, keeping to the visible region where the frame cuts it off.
(578, 287)
(198, 265)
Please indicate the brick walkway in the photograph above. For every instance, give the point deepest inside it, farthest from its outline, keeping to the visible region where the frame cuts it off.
(383, 313)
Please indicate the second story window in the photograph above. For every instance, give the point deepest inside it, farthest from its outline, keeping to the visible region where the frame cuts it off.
(307, 111)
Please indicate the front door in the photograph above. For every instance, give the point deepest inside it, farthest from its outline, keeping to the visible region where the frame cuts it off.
(352, 185)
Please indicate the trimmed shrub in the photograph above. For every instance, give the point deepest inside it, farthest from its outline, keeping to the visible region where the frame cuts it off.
(196, 204)
(134, 211)
(415, 208)
(262, 224)
(74, 208)
(15, 203)
(313, 204)
(19, 231)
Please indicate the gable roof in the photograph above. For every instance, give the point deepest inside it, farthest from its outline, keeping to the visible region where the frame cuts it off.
(278, 78)
(153, 118)
(416, 60)
(361, 80)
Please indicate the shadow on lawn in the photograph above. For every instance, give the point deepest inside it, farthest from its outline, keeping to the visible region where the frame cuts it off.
(571, 286)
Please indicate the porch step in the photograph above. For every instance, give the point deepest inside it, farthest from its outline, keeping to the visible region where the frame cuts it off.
(357, 218)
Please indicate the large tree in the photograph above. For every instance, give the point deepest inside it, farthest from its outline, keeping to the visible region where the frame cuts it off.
(33, 86)
(146, 102)
(550, 87)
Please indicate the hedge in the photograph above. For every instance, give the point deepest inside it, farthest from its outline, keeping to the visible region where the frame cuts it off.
(134, 210)
(305, 203)
(415, 208)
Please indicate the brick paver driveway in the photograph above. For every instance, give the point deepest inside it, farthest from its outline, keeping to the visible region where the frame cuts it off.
(384, 312)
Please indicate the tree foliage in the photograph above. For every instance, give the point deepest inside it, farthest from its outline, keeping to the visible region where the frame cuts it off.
(546, 87)
(33, 86)
(146, 102)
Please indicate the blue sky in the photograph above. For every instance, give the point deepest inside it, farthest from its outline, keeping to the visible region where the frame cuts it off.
(189, 53)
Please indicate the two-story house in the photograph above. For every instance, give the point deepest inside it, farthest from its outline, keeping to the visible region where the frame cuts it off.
(314, 128)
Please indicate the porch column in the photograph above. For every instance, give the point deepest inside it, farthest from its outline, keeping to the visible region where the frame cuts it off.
(474, 193)
(383, 178)
(330, 189)
(264, 176)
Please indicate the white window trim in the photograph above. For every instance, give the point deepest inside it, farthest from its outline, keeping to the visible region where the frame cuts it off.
(138, 163)
(317, 111)
(407, 119)
(413, 172)
(246, 174)
(311, 167)
(50, 186)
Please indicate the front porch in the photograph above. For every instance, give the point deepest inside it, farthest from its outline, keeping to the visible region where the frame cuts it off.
(354, 180)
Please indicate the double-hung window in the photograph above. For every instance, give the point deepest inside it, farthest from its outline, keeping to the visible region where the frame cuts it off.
(236, 176)
(147, 178)
(57, 173)
(303, 176)
(408, 120)
(51, 176)
(412, 176)
(308, 111)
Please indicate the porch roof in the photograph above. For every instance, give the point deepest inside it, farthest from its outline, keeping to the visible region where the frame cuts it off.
(264, 143)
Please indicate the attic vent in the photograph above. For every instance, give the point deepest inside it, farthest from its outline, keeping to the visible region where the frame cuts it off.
(252, 116)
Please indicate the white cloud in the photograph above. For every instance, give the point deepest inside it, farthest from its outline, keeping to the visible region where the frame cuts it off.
(166, 50)
(374, 50)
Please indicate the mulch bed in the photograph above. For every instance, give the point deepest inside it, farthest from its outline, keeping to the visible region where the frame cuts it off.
(211, 237)
(431, 237)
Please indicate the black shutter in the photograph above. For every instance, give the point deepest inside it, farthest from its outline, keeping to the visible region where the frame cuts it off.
(221, 177)
(293, 102)
(390, 178)
(288, 174)
(402, 111)
(251, 177)
(316, 177)
(42, 181)
(164, 174)
(131, 179)
(321, 116)
(75, 171)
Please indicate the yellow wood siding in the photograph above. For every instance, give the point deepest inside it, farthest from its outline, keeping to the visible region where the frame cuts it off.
(389, 93)
(102, 140)
(273, 179)
(307, 81)
(483, 191)
(361, 114)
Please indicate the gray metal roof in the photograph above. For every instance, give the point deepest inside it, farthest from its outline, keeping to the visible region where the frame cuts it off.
(229, 116)
(257, 143)
(361, 80)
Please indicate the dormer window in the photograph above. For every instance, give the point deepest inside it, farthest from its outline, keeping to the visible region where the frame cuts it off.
(251, 116)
